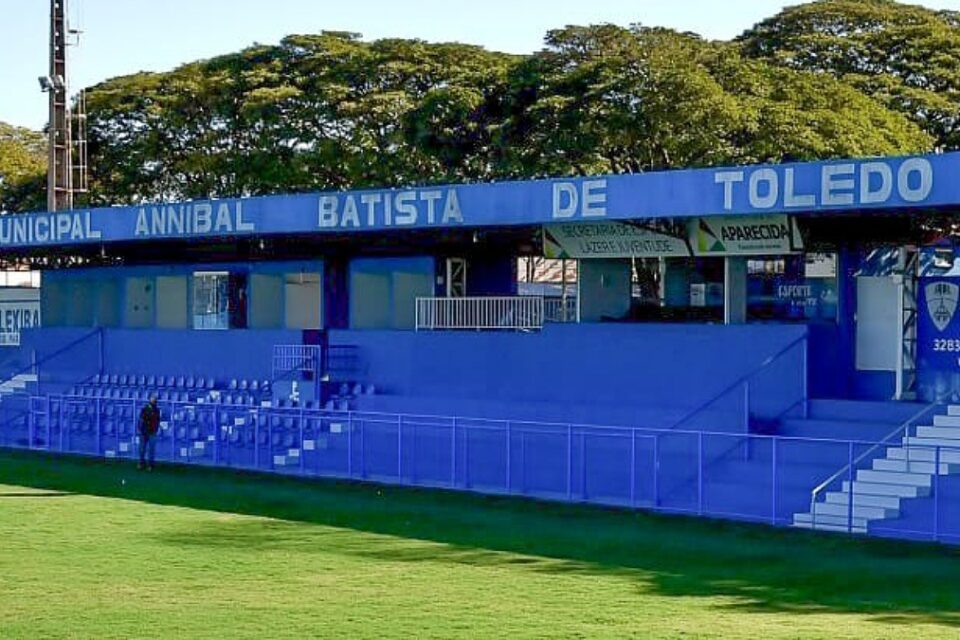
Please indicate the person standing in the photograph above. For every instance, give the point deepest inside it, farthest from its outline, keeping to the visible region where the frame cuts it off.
(147, 428)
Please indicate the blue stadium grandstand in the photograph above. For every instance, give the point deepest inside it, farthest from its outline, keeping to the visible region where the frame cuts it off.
(776, 344)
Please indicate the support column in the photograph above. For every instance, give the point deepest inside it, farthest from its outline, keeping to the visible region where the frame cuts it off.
(735, 290)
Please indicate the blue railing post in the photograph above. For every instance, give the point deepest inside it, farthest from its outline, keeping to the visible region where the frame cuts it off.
(936, 494)
(300, 446)
(773, 486)
(507, 433)
(453, 453)
(412, 448)
(583, 463)
(256, 439)
(633, 467)
(30, 429)
(569, 462)
(850, 477)
(99, 413)
(466, 456)
(270, 449)
(363, 450)
(523, 462)
(656, 471)
(400, 449)
(59, 423)
(350, 444)
(700, 473)
(217, 430)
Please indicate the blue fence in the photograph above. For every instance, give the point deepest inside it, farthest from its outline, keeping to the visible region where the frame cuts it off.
(725, 475)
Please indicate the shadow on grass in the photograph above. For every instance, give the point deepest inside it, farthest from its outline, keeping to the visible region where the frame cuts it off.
(764, 570)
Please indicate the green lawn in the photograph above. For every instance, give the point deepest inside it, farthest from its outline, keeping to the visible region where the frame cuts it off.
(186, 553)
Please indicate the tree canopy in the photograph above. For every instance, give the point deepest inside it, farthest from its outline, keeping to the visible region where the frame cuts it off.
(23, 166)
(905, 56)
(607, 99)
(833, 78)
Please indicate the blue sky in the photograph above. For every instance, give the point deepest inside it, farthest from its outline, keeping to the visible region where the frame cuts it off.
(126, 36)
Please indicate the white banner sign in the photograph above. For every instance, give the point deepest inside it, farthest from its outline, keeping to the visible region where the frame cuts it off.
(19, 314)
(744, 235)
(609, 240)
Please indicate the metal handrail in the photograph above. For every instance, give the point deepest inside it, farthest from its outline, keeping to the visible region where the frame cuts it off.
(521, 313)
(745, 378)
(852, 465)
(462, 420)
(36, 364)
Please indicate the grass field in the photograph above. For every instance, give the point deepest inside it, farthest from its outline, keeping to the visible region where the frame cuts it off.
(185, 553)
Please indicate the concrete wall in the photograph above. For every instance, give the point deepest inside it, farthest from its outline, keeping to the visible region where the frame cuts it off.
(585, 369)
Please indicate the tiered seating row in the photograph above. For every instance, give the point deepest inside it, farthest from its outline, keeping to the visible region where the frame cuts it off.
(175, 389)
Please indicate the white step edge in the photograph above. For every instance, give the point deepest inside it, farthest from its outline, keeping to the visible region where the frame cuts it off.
(842, 497)
(923, 454)
(884, 489)
(829, 520)
(859, 511)
(945, 444)
(939, 433)
(913, 466)
(946, 421)
(895, 478)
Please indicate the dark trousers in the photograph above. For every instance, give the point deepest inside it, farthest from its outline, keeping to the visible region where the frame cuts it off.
(148, 449)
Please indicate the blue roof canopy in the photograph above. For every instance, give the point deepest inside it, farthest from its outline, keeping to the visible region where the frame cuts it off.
(875, 184)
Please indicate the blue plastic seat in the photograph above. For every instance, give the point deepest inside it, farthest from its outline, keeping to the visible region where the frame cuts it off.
(151, 381)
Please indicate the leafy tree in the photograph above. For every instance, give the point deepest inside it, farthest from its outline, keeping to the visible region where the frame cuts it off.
(324, 111)
(330, 111)
(23, 166)
(907, 57)
(607, 99)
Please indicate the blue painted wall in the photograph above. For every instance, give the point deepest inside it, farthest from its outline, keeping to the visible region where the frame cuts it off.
(222, 354)
(593, 373)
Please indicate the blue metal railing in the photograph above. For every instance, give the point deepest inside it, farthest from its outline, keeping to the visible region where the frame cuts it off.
(608, 465)
(743, 383)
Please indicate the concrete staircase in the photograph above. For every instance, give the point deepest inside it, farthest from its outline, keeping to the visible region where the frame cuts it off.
(17, 384)
(905, 472)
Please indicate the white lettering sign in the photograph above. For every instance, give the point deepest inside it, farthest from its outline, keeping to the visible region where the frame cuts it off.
(609, 240)
(221, 218)
(836, 185)
(396, 209)
(47, 228)
(588, 200)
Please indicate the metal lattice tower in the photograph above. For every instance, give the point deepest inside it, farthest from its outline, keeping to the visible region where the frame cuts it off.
(60, 167)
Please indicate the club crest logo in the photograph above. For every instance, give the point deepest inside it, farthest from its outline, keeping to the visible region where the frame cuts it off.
(942, 303)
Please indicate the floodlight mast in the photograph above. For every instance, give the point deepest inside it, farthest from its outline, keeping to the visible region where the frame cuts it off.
(60, 159)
